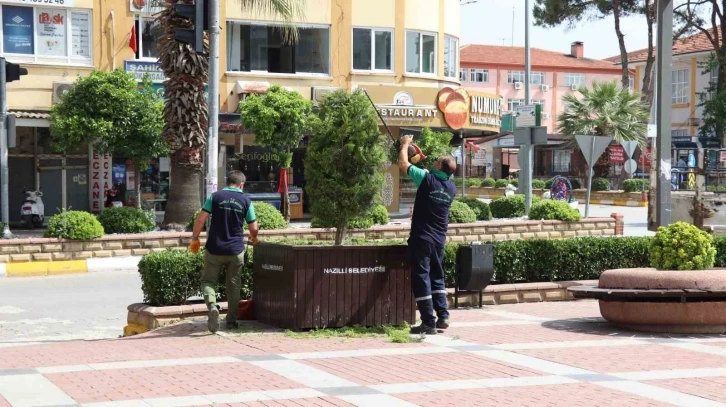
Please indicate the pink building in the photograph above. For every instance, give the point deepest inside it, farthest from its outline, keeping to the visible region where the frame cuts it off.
(500, 70)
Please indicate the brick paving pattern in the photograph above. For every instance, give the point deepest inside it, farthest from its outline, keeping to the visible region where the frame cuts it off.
(543, 354)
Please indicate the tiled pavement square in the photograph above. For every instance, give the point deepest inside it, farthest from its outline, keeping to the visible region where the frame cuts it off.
(554, 310)
(417, 368)
(612, 359)
(316, 402)
(174, 381)
(488, 335)
(285, 344)
(713, 388)
(473, 315)
(565, 395)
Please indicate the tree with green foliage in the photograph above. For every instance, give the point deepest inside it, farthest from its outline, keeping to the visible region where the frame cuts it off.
(113, 113)
(433, 143)
(279, 120)
(713, 103)
(345, 160)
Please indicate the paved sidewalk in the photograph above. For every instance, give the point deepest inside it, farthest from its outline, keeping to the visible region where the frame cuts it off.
(543, 354)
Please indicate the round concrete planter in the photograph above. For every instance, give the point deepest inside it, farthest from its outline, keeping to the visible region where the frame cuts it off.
(692, 301)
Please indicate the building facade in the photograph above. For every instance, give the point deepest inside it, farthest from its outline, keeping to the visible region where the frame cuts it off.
(500, 70)
(403, 52)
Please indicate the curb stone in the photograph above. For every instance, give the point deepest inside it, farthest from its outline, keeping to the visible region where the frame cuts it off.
(52, 268)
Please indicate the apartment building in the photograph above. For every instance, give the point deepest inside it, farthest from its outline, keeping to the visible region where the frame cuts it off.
(403, 52)
(500, 70)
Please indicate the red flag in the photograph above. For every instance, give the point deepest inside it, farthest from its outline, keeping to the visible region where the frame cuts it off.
(282, 185)
(132, 41)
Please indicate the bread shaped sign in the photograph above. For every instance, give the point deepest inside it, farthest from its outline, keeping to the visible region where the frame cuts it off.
(459, 108)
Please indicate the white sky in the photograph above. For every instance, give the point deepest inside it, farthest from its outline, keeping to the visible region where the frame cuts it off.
(490, 22)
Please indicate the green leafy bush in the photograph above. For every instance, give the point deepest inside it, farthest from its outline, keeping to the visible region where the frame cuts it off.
(190, 225)
(488, 182)
(74, 225)
(514, 181)
(719, 189)
(481, 209)
(682, 246)
(268, 217)
(538, 184)
(473, 182)
(509, 206)
(378, 215)
(461, 213)
(636, 185)
(554, 210)
(127, 220)
(600, 184)
(501, 183)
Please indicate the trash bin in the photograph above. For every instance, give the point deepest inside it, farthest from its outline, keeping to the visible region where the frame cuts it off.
(474, 269)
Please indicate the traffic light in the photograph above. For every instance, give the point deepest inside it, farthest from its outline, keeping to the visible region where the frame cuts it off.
(198, 14)
(13, 72)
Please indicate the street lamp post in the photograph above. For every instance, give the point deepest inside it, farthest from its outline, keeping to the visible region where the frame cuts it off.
(663, 111)
(528, 148)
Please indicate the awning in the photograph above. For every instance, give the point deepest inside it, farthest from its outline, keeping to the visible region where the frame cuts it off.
(254, 87)
(472, 147)
(30, 118)
(684, 145)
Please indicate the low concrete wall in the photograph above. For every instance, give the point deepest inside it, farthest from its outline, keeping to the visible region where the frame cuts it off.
(47, 253)
(616, 198)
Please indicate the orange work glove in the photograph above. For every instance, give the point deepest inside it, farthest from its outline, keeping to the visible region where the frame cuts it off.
(194, 246)
(254, 240)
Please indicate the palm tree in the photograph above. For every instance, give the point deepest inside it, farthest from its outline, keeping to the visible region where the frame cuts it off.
(605, 110)
(185, 113)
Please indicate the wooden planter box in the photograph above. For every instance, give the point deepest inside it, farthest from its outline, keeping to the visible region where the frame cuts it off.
(303, 287)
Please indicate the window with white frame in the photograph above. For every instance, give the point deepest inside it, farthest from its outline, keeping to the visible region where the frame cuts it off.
(420, 52)
(515, 76)
(479, 75)
(576, 79)
(561, 161)
(513, 103)
(679, 86)
(260, 48)
(462, 75)
(372, 49)
(451, 56)
(149, 33)
(46, 35)
(540, 102)
(537, 78)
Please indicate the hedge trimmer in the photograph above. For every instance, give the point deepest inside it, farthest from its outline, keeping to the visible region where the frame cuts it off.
(415, 155)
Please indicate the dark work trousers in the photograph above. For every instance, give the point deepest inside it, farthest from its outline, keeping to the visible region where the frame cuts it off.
(427, 279)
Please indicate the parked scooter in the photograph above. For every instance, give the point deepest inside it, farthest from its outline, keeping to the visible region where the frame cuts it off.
(32, 213)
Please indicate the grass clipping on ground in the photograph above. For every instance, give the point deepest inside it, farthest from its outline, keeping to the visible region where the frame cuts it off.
(395, 334)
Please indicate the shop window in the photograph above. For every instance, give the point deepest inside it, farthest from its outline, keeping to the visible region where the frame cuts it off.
(420, 52)
(679, 86)
(372, 49)
(46, 35)
(260, 48)
(480, 75)
(148, 33)
(574, 79)
(561, 161)
(451, 56)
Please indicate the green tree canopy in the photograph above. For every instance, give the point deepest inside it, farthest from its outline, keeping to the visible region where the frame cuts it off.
(279, 120)
(434, 144)
(345, 160)
(605, 110)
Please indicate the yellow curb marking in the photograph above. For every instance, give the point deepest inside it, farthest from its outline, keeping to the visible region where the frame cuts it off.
(134, 329)
(45, 268)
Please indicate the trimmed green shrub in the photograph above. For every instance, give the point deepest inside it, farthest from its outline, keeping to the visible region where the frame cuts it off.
(481, 209)
(636, 185)
(378, 215)
(719, 189)
(682, 246)
(554, 210)
(600, 184)
(509, 206)
(501, 183)
(473, 182)
(461, 213)
(74, 225)
(514, 181)
(538, 184)
(268, 217)
(458, 182)
(488, 182)
(127, 220)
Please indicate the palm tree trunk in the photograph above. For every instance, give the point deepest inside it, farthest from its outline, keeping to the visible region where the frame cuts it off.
(184, 195)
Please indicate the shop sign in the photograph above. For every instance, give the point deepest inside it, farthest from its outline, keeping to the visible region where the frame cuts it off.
(480, 159)
(403, 109)
(50, 29)
(505, 141)
(139, 68)
(459, 108)
(44, 3)
(100, 180)
(616, 154)
(145, 6)
(17, 30)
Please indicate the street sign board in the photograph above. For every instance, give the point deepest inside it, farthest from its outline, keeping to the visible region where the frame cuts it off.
(586, 146)
(479, 159)
(629, 147)
(630, 166)
(530, 135)
(526, 116)
(652, 131)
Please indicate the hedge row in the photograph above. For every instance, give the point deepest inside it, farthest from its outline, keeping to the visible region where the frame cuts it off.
(171, 277)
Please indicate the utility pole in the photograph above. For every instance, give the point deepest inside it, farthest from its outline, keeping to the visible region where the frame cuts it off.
(663, 111)
(213, 136)
(528, 147)
(4, 173)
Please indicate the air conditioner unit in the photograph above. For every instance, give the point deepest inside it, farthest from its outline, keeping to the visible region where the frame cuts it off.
(59, 89)
(545, 88)
(573, 87)
(545, 116)
(517, 85)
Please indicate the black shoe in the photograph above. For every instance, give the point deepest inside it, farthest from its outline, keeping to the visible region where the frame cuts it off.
(213, 319)
(232, 325)
(442, 323)
(423, 329)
